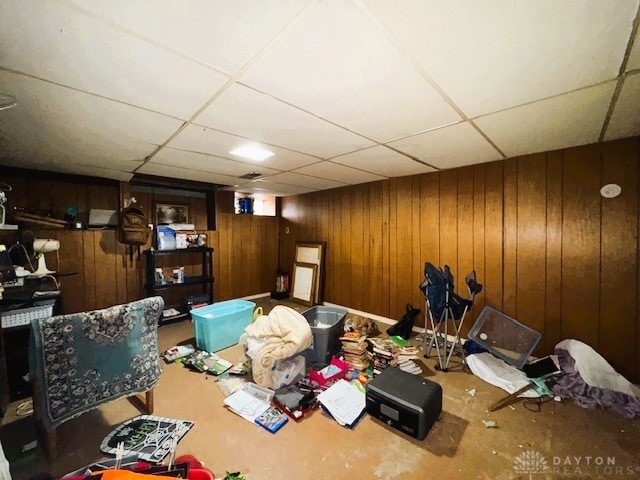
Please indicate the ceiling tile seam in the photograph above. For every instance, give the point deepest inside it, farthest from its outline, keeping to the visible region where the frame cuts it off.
(235, 160)
(86, 92)
(138, 36)
(360, 169)
(612, 106)
(309, 112)
(621, 76)
(376, 142)
(256, 140)
(189, 168)
(258, 181)
(268, 46)
(315, 177)
(532, 102)
(428, 130)
(423, 72)
(414, 158)
(630, 42)
(438, 127)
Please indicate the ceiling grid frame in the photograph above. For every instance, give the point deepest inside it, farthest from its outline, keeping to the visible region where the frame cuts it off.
(621, 75)
(618, 110)
(305, 11)
(428, 78)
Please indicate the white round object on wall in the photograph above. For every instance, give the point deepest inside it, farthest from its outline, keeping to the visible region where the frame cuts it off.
(610, 190)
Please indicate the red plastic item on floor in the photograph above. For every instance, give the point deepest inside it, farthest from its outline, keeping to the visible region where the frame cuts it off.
(191, 460)
(200, 474)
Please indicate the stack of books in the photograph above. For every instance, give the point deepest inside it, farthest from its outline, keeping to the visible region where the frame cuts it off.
(406, 355)
(354, 346)
(384, 353)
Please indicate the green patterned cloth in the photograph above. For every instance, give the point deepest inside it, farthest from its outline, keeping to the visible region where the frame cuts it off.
(83, 360)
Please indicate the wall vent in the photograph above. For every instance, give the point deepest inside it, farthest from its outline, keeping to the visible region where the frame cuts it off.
(251, 176)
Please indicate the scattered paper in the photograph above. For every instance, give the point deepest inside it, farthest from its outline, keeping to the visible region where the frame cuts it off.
(250, 402)
(344, 402)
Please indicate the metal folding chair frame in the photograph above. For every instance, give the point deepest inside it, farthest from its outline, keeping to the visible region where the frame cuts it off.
(439, 338)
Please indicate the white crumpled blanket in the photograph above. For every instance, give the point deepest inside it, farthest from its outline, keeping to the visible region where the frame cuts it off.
(499, 373)
(279, 335)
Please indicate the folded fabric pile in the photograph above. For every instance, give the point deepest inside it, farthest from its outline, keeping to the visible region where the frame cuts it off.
(272, 338)
(592, 382)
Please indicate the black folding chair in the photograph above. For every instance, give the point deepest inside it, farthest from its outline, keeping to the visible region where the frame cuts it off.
(445, 306)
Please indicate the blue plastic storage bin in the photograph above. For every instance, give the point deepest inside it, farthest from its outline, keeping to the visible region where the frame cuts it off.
(220, 325)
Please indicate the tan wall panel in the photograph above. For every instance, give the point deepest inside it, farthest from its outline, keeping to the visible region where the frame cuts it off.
(553, 271)
(465, 235)
(479, 178)
(105, 274)
(493, 244)
(510, 237)
(531, 238)
(449, 220)
(377, 287)
(417, 299)
(619, 256)
(535, 230)
(357, 248)
(581, 217)
(405, 282)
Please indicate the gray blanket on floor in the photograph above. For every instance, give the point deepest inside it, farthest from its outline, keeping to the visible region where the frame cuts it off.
(589, 366)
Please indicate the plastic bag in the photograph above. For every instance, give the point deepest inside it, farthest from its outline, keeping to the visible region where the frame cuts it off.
(287, 371)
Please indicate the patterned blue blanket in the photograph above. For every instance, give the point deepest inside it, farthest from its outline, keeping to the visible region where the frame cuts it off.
(83, 360)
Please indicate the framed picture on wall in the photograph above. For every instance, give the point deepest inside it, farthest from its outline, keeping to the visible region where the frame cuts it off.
(303, 283)
(170, 213)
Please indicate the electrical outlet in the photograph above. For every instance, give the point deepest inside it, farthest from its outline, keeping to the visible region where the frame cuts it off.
(286, 230)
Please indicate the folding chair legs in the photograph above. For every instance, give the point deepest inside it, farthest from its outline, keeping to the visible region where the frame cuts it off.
(440, 339)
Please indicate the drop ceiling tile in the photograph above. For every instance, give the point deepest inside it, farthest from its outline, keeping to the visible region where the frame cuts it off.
(339, 173)
(273, 188)
(625, 121)
(58, 125)
(222, 33)
(96, 171)
(208, 163)
(634, 57)
(382, 161)
(56, 42)
(66, 167)
(337, 64)
(290, 178)
(171, 171)
(564, 121)
(449, 147)
(205, 140)
(496, 54)
(243, 111)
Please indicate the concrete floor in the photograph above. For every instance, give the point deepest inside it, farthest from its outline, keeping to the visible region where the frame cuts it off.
(572, 440)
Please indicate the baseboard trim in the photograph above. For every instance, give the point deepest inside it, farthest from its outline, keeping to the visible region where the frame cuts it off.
(372, 316)
(387, 321)
(258, 295)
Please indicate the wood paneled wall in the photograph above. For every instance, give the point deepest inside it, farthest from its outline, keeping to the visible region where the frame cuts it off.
(550, 251)
(245, 246)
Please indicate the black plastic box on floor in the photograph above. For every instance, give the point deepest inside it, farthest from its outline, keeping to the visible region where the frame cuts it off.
(404, 401)
(279, 295)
